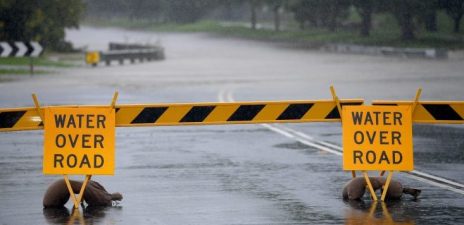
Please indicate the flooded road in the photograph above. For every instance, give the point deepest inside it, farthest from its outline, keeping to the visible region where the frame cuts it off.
(239, 174)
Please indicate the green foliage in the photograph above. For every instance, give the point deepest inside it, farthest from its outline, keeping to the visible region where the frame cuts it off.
(321, 13)
(178, 11)
(406, 12)
(387, 22)
(39, 20)
(455, 10)
(387, 34)
(366, 9)
(19, 72)
(24, 61)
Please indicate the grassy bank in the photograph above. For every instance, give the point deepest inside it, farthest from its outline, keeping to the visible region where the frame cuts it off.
(19, 66)
(19, 71)
(41, 61)
(386, 33)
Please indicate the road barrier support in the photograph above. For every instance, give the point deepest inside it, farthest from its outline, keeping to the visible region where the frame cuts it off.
(76, 200)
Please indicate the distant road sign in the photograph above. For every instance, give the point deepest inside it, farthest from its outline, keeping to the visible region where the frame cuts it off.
(79, 140)
(377, 138)
(20, 49)
(92, 57)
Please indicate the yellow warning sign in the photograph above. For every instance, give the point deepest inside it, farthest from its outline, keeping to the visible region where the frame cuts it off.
(79, 140)
(92, 57)
(377, 138)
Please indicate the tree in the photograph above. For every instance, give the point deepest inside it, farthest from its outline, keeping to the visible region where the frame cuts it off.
(276, 5)
(325, 13)
(39, 20)
(366, 8)
(337, 10)
(299, 12)
(144, 9)
(405, 11)
(186, 11)
(455, 10)
(429, 14)
(253, 5)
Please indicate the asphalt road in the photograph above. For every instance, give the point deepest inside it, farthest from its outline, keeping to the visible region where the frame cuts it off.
(236, 174)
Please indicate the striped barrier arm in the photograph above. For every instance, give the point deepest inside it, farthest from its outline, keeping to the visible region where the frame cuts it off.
(197, 114)
(440, 112)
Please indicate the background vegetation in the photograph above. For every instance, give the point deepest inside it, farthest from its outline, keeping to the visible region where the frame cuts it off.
(434, 23)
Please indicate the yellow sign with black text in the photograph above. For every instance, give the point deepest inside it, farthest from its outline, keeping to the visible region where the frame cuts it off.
(79, 140)
(377, 138)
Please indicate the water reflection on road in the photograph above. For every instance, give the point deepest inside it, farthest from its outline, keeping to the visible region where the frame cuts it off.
(88, 215)
(361, 212)
(357, 212)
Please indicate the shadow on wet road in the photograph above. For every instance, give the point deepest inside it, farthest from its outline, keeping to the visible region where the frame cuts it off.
(356, 212)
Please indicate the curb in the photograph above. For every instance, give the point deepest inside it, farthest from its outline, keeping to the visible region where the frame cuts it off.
(427, 53)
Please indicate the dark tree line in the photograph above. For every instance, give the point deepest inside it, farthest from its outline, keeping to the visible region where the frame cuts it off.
(331, 13)
(455, 9)
(177, 11)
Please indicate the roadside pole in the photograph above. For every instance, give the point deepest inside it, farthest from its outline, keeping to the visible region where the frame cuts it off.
(31, 65)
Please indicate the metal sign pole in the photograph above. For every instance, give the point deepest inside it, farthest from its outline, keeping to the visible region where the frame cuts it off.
(31, 65)
(371, 189)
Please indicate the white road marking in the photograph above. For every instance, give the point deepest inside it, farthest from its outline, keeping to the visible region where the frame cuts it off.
(226, 96)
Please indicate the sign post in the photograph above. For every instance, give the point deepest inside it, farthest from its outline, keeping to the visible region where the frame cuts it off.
(377, 138)
(79, 141)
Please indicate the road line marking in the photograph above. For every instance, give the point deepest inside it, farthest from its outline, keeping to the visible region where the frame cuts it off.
(226, 96)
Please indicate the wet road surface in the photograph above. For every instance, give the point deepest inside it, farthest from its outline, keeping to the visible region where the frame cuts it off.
(240, 174)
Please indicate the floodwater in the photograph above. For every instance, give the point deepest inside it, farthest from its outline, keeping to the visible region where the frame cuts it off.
(240, 174)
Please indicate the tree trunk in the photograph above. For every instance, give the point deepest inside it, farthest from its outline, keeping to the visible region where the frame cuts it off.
(457, 23)
(366, 23)
(431, 21)
(407, 26)
(253, 14)
(333, 17)
(276, 18)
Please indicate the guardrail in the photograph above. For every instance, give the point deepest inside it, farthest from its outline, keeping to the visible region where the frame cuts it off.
(124, 46)
(122, 52)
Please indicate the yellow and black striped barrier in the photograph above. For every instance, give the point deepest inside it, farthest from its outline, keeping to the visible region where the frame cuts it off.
(196, 114)
(440, 112)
